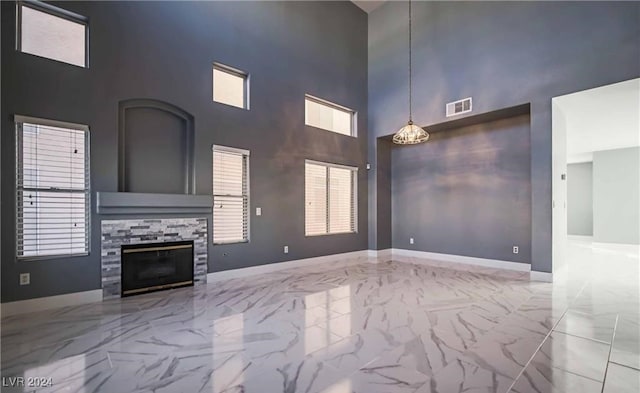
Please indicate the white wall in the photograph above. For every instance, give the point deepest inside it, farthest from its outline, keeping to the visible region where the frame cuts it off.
(580, 199)
(616, 196)
(559, 184)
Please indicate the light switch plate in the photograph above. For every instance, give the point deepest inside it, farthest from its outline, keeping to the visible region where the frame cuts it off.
(258, 211)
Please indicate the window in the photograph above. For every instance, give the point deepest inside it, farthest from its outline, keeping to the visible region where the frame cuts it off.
(230, 195)
(326, 115)
(51, 32)
(330, 199)
(230, 86)
(52, 183)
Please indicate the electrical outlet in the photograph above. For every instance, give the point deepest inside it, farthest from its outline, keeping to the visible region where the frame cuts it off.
(25, 278)
(516, 249)
(258, 211)
(286, 249)
(410, 240)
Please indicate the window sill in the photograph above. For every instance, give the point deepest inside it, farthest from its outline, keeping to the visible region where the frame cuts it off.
(333, 233)
(49, 257)
(230, 242)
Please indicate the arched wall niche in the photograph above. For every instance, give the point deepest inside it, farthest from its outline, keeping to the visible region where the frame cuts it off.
(155, 148)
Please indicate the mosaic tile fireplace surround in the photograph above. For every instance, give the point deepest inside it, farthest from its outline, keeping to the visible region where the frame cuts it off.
(116, 233)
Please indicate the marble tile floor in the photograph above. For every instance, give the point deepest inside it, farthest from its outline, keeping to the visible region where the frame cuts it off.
(349, 326)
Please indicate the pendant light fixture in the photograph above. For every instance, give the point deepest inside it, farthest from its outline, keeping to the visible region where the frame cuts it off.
(410, 134)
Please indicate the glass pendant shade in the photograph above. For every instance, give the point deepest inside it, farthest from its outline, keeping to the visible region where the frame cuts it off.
(410, 134)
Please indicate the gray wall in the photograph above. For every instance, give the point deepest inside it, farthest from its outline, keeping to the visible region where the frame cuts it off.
(466, 192)
(616, 196)
(580, 199)
(165, 51)
(502, 54)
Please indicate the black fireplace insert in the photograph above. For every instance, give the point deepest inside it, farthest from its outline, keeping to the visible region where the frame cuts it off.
(155, 266)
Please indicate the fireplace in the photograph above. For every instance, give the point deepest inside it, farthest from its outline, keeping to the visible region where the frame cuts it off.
(151, 267)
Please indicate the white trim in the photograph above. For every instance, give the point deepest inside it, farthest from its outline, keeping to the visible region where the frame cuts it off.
(45, 303)
(330, 165)
(540, 276)
(274, 267)
(232, 150)
(49, 122)
(494, 263)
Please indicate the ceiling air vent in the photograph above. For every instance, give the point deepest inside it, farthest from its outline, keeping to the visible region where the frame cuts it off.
(459, 107)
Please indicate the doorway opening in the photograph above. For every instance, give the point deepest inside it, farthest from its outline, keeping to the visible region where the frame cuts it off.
(596, 171)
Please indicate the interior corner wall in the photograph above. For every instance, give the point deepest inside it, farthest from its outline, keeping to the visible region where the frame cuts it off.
(383, 194)
(502, 54)
(580, 199)
(616, 196)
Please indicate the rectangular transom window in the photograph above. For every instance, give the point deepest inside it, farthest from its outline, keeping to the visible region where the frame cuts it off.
(330, 198)
(230, 195)
(328, 116)
(230, 86)
(52, 184)
(51, 32)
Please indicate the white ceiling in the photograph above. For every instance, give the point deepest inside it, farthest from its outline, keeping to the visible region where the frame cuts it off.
(368, 5)
(603, 118)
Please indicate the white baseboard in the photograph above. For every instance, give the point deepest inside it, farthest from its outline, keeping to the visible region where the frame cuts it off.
(274, 267)
(582, 238)
(386, 253)
(541, 276)
(494, 263)
(617, 247)
(45, 303)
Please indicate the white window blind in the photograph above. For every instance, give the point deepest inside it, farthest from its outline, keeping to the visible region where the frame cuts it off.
(230, 86)
(230, 195)
(328, 116)
(330, 199)
(53, 33)
(53, 196)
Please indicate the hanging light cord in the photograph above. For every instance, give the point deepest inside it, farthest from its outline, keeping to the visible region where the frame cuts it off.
(410, 92)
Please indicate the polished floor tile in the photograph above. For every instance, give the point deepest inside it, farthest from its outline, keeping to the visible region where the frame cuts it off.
(355, 325)
(540, 378)
(621, 379)
(573, 354)
(380, 379)
(461, 377)
(626, 343)
(598, 327)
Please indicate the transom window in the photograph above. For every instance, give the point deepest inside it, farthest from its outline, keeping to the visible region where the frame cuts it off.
(329, 116)
(51, 32)
(52, 183)
(230, 195)
(230, 86)
(330, 198)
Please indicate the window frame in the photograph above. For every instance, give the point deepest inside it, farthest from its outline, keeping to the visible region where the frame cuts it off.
(19, 120)
(57, 12)
(333, 105)
(354, 197)
(244, 152)
(235, 72)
